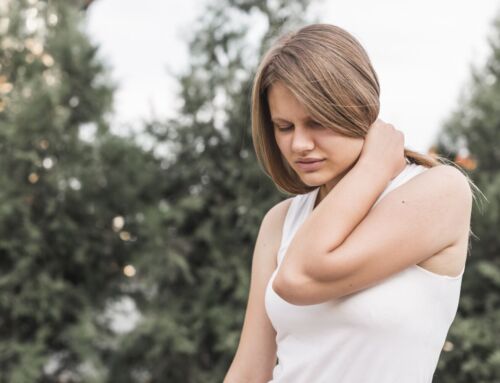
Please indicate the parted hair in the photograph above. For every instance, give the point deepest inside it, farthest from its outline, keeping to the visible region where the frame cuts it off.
(330, 73)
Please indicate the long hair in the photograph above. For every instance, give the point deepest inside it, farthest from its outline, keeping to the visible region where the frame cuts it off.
(330, 73)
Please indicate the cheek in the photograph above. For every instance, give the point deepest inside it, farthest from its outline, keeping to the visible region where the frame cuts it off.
(281, 146)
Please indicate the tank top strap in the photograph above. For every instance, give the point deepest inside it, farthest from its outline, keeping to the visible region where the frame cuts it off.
(410, 171)
(298, 211)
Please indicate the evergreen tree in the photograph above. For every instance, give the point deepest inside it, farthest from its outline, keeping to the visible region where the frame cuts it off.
(214, 199)
(470, 137)
(72, 198)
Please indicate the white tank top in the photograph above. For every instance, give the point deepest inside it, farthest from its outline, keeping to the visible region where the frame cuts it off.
(392, 332)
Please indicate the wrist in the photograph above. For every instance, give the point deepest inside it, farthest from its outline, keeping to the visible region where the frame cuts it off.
(372, 166)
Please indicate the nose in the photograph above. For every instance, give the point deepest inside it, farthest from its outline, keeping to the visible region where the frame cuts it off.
(301, 140)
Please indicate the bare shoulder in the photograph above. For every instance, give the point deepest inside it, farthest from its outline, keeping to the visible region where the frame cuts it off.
(275, 216)
(452, 182)
(451, 174)
(457, 195)
(271, 229)
(448, 190)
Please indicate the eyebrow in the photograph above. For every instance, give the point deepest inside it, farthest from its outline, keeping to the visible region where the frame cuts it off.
(279, 119)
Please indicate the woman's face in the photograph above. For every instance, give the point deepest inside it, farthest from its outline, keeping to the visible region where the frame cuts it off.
(299, 137)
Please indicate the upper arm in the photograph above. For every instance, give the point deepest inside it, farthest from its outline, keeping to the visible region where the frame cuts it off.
(255, 357)
(416, 220)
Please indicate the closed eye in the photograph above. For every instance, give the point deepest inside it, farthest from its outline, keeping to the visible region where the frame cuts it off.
(315, 124)
(283, 128)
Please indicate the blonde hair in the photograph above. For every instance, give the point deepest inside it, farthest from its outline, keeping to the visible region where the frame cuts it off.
(330, 73)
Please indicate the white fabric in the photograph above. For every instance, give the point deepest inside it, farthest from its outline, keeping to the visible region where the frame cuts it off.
(392, 332)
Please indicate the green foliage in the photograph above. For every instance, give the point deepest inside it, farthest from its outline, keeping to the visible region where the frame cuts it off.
(475, 127)
(61, 258)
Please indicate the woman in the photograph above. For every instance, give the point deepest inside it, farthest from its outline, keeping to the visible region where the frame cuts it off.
(357, 278)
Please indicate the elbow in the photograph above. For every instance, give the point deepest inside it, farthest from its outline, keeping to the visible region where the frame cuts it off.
(301, 288)
(291, 288)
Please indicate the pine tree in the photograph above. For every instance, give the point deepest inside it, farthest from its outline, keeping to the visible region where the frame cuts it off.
(470, 137)
(72, 200)
(215, 197)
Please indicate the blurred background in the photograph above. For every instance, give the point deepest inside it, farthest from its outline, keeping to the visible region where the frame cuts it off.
(131, 197)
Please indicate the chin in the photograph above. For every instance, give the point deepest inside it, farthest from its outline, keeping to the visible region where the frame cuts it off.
(314, 180)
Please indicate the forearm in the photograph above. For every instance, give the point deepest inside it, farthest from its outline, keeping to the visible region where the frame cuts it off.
(331, 222)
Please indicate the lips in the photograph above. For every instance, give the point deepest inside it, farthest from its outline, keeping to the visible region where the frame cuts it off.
(309, 160)
(310, 166)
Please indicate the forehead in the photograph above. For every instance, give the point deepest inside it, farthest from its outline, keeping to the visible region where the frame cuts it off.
(283, 104)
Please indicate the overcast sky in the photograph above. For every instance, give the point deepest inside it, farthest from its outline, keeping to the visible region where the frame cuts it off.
(422, 52)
